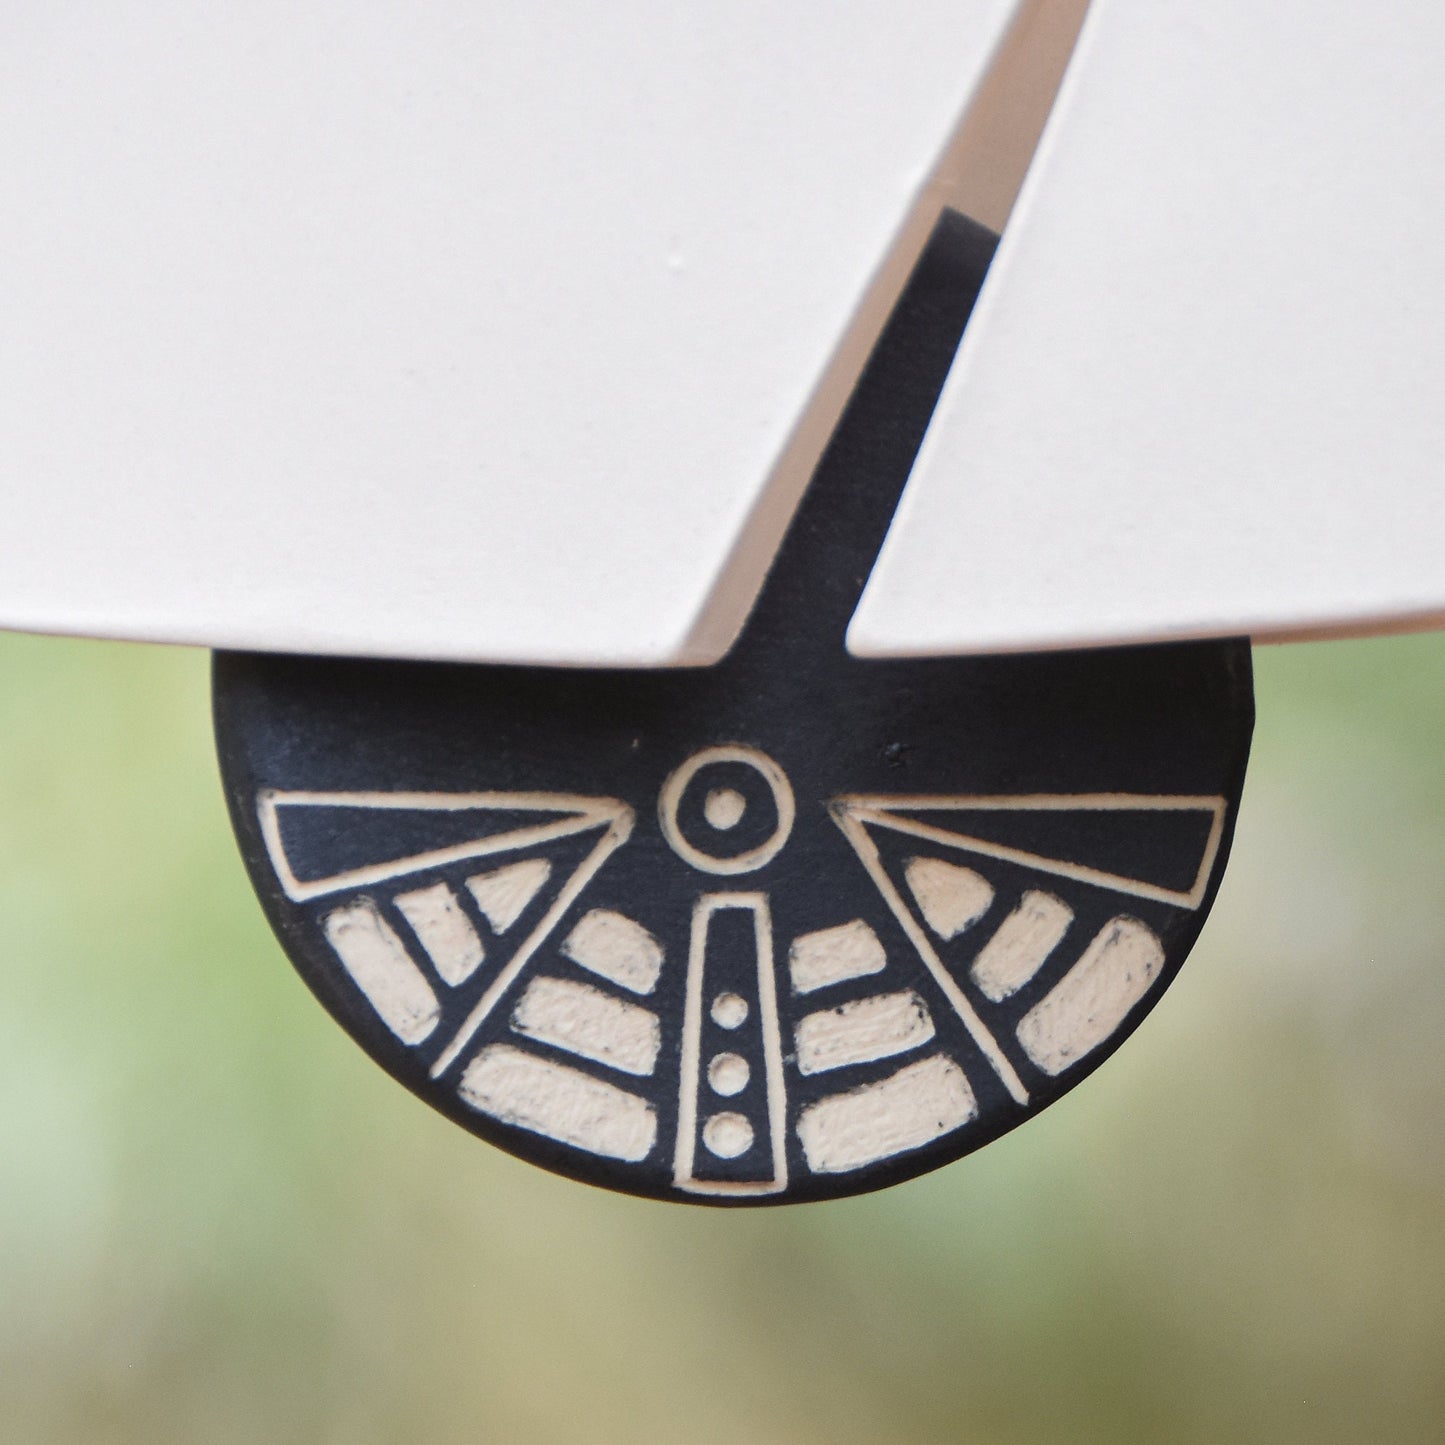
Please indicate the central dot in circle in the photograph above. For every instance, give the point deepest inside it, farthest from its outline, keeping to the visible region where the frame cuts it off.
(728, 1073)
(724, 808)
(728, 1135)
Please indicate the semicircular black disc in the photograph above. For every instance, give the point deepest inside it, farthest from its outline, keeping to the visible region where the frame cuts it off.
(790, 927)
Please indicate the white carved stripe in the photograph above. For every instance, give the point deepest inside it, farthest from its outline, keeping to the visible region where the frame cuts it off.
(904, 1111)
(1092, 998)
(1021, 944)
(616, 948)
(443, 930)
(834, 955)
(381, 968)
(586, 1021)
(548, 1098)
(861, 1031)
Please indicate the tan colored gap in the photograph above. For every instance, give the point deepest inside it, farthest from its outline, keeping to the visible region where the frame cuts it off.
(979, 173)
(1383, 624)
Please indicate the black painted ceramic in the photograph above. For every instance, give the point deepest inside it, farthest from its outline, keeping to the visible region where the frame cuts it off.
(789, 927)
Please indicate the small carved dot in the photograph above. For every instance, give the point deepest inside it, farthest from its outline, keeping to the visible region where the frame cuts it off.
(727, 1135)
(729, 1010)
(724, 808)
(728, 1074)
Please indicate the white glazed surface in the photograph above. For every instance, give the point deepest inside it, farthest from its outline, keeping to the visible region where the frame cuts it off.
(484, 331)
(1201, 391)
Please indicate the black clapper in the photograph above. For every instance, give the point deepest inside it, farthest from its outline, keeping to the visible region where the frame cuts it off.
(790, 927)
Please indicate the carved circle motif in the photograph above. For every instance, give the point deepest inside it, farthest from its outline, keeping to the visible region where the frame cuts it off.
(727, 1135)
(729, 1010)
(728, 1073)
(724, 808)
(677, 784)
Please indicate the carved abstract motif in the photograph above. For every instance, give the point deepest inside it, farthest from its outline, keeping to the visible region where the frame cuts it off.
(695, 1041)
(787, 927)
(723, 1048)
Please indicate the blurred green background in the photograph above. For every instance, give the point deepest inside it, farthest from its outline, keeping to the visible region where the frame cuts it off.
(219, 1222)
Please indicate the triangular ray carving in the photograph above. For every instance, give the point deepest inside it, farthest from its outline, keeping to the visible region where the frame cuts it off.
(324, 842)
(1110, 834)
(474, 825)
(1107, 969)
